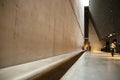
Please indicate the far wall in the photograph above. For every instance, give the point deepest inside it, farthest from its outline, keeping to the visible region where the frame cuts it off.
(95, 42)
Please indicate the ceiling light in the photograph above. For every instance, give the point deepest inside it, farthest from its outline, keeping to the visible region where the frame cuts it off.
(110, 35)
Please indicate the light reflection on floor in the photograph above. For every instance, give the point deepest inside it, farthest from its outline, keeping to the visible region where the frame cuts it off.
(95, 66)
(107, 55)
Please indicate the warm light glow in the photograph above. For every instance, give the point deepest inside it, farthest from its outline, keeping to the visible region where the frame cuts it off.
(108, 55)
(95, 49)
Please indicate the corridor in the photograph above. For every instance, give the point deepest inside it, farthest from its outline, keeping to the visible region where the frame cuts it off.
(51, 39)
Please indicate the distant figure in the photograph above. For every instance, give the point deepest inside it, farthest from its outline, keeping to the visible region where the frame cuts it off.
(113, 46)
(83, 48)
(88, 46)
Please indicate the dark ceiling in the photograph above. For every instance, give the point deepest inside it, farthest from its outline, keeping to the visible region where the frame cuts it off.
(105, 15)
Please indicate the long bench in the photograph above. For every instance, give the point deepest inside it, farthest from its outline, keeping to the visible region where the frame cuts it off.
(52, 68)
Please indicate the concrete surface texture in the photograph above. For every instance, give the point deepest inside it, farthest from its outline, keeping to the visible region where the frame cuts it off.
(95, 42)
(52, 68)
(100, 66)
(106, 17)
(35, 29)
(78, 6)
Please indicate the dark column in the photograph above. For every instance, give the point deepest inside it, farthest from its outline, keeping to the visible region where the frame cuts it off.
(86, 21)
(86, 24)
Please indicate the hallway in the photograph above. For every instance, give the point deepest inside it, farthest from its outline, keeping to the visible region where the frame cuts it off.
(95, 66)
(49, 39)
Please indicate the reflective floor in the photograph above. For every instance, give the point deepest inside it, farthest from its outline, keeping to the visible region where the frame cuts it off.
(95, 66)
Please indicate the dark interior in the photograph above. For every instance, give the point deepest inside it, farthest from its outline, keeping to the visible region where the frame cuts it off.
(105, 15)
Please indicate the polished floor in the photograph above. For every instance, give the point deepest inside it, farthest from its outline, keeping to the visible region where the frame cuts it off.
(95, 66)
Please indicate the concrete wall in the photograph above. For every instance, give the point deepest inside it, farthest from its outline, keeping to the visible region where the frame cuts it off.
(95, 43)
(79, 11)
(35, 29)
(106, 16)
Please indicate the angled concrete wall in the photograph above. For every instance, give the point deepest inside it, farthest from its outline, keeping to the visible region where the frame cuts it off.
(106, 17)
(35, 29)
(79, 11)
(95, 42)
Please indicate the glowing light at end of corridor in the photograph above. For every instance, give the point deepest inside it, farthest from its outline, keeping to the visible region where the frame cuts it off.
(85, 2)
